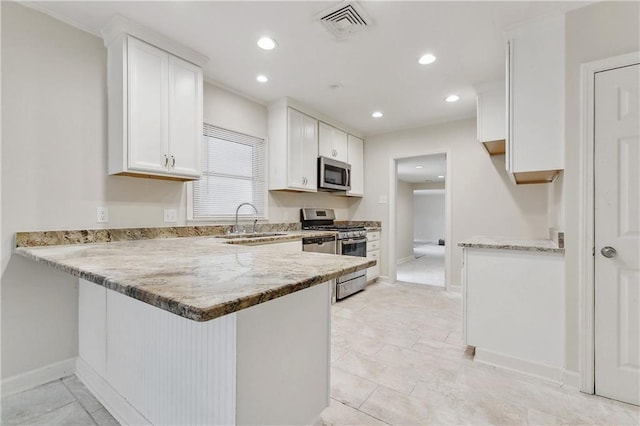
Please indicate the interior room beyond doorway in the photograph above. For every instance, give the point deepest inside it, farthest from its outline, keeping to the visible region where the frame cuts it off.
(420, 207)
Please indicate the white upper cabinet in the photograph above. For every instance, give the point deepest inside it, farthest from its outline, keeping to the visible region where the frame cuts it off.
(356, 159)
(155, 105)
(491, 117)
(293, 149)
(332, 142)
(535, 100)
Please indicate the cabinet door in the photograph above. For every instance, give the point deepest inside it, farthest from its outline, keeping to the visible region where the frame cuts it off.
(148, 69)
(310, 153)
(536, 97)
(295, 166)
(332, 142)
(325, 144)
(185, 117)
(356, 159)
(303, 151)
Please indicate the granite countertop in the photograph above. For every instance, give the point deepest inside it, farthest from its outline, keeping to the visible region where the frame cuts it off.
(506, 243)
(199, 278)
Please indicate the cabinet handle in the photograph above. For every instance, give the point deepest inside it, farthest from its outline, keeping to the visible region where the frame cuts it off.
(173, 161)
(166, 160)
(335, 153)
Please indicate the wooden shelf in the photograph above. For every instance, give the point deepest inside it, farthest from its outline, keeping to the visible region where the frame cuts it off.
(497, 147)
(544, 176)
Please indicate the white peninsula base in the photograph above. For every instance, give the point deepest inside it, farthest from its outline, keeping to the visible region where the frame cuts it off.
(267, 364)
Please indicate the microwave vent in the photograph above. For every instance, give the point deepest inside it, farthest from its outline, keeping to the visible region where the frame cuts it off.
(344, 19)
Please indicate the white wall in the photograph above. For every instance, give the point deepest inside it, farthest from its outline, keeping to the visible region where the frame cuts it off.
(54, 174)
(428, 216)
(484, 201)
(404, 229)
(594, 32)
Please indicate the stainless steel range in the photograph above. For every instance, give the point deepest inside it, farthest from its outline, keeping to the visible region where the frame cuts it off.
(351, 241)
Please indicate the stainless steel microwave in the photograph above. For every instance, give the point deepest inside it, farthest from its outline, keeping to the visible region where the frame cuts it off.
(333, 175)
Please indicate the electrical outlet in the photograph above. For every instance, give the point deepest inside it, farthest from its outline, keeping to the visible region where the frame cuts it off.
(102, 215)
(170, 215)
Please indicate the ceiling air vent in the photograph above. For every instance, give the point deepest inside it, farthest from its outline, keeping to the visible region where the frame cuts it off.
(344, 19)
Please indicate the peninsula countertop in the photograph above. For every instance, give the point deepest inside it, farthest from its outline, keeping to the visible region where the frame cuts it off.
(506, 243)
(199, 278)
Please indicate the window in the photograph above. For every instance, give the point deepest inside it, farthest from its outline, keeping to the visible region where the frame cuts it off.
(233, 172)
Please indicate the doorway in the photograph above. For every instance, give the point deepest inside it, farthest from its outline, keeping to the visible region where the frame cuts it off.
(420, 219)
(610, 247)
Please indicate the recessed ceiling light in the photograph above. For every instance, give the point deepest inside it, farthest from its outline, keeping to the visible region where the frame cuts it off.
(262, 78)
(267, 43)
(452, 98)
(440, 177)
(419, 167)
(426, 59)
(377, 114)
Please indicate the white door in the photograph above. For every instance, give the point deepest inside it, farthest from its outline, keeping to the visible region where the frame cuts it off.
(185, 117)
(147, 110)
(310, 153)
(617, 227)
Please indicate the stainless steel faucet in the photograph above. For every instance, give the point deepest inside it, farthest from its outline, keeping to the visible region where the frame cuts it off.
(255, 221)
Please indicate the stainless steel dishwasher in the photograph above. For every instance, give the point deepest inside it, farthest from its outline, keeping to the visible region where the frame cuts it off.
(323, 244)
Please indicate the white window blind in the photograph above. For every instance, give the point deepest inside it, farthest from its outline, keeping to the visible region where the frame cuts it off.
(233, 172)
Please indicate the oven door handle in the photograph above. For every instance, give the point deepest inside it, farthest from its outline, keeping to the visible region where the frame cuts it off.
(352, 242)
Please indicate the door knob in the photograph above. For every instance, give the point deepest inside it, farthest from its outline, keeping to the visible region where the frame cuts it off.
(608, 252)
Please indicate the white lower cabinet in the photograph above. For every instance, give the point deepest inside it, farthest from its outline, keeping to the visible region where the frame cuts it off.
(373, 252)
(514, 311)
(149, 366)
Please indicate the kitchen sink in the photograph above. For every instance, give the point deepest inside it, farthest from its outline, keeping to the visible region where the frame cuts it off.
(252, 235)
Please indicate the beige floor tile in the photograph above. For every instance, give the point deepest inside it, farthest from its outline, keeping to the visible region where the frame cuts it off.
(402, 380)
(397, 408)
(34, 403)
(350, 389)
(82, 394)
(70, 415)
(338, 414)
(103, 418)
(420, 364)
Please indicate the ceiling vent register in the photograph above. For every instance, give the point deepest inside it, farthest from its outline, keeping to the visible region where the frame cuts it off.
(344, 20)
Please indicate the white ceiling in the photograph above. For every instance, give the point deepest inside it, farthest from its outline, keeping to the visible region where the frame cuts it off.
(376, 69)
(432, 167)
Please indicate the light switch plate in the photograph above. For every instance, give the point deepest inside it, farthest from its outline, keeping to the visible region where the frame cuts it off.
(170, 215)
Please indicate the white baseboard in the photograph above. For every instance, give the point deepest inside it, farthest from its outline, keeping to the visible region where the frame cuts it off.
(39, 376)
(571, 379)
(119, 408)
(547, 372)
(406, 259)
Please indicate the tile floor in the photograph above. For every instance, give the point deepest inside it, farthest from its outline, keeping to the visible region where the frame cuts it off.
(397, 358)
(426, 268)
(62, 402)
